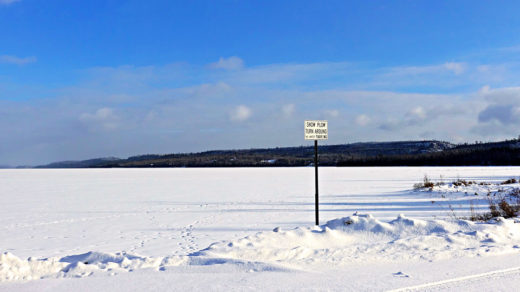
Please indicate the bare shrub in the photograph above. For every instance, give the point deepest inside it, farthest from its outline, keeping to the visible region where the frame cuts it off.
(493, 208)
(504, 202)
(501, 207)
(426, 184)
(452, 212)
(509, 181)
(463, 182)
(508, 210)
(473, 214)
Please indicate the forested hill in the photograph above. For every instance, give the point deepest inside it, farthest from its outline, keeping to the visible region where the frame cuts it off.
(403, 153)
(502, 153)
(81, 164)
(282, 156)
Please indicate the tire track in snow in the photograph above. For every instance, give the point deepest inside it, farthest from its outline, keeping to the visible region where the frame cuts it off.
(446, 284)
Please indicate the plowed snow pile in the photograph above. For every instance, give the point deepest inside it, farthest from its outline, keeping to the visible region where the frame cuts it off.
(358, 238)
(14, 268)
(363, 238)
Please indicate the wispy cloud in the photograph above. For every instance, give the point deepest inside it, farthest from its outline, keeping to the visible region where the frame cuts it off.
(503, 108)
(231, 63)
(114, 109)
(277, 74)
(9, 59)
(416, 115)
(240, 113)
(103, 119)
(362, 120)
(7, 2)
(332, 113)
(456, 68)
(288, 110)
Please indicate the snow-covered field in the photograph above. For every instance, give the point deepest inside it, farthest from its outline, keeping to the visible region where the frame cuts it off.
(253, 228)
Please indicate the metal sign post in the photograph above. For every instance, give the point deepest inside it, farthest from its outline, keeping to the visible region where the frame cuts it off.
(316, 197)
(316, 130)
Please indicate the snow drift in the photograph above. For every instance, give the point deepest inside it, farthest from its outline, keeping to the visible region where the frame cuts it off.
(357, 238)
(82, 265)
(363, 238)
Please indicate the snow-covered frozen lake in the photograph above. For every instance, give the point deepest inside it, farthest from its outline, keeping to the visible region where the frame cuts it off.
(150, 229)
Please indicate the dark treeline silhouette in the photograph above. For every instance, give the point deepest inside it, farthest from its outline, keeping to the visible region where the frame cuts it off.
(499, 156)
(403, 153)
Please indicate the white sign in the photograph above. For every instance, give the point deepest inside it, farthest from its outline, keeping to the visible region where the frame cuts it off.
(316, 130)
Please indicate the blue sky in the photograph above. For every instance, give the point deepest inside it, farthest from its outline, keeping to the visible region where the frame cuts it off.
(84, 79)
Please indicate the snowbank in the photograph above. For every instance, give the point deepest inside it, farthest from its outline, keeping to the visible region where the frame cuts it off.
(362, 238)
(82, 265)
(357, 238)
(473, 187)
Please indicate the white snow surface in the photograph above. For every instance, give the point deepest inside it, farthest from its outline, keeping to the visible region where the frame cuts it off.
(252, 229)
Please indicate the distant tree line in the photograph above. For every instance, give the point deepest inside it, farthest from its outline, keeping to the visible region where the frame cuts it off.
(403, 153)
(471, 156)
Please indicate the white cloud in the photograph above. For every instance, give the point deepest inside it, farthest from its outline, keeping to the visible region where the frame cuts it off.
(506, 95)
(288, 73)
(362, 120)
(332, 113)
(446, 109)
(231, 63)
(484, 89)
(288, 110)
(457, 68)
(7, 59)
(500, 114)
(7, 2)
(208, 90)
(417, 113)
(114, 109)
(483, 68)
(494, 129)
(391, 124)
(240, 113)
(103, 118)
(505, 114)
